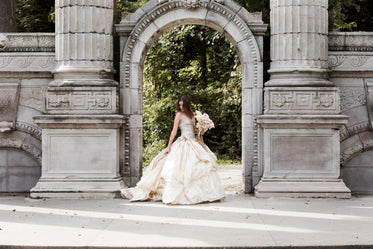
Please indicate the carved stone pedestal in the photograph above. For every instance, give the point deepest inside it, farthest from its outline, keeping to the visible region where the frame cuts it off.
(301, 156)
(80, 156)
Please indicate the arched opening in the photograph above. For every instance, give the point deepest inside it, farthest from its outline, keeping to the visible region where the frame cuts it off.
(198, 61)
(146, 25)
(357, 173)
(19, 172)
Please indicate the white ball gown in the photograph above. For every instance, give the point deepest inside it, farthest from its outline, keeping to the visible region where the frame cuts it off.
(187, 175)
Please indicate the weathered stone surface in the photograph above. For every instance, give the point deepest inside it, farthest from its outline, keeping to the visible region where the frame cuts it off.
(350, 147)
(369, 101)
(350, 41)
(302, 26)
(18, 171)
(358, 173)
(27, 42)
(22, 141)
(91, 146)
(328, 188)
(9, 95)
(84, 53)
(358, 120)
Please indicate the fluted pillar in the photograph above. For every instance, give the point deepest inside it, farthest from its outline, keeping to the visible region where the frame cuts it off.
(301, 121)
(84, 42)
(81, 125)
(299, 43)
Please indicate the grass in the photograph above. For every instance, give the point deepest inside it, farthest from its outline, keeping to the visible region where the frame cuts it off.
(228, 162)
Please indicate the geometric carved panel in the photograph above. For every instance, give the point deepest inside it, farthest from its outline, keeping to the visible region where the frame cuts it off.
(304, 100)
(81, 100)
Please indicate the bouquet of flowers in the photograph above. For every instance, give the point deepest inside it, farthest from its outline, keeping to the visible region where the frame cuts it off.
(204, 122)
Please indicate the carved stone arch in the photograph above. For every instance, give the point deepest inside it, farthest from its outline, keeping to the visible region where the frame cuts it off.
(140, 29)
(23, 142)
(355, 145)
(32, 130)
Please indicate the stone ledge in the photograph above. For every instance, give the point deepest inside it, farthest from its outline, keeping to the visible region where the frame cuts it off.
(302, 121)
(350, 41)
(90, 188)
(324, 188)
(79, 121)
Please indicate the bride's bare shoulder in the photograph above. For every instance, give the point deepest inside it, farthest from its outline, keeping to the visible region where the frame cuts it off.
(180, 115)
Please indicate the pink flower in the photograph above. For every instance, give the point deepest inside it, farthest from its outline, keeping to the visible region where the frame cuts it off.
(204, 122)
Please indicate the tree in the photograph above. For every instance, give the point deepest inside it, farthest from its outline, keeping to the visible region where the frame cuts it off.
(198, 61)
(35, 15)
(8, 16)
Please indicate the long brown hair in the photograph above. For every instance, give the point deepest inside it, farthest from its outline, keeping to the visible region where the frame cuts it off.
(187, 105)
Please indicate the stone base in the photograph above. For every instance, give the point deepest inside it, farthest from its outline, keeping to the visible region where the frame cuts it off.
(80, 188)
(299, 188)
(80, 156)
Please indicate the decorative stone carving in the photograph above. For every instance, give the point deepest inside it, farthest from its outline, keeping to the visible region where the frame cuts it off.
(30, 129)
(336, 61)
(301, 100)
(22, 141)
(350, 61)
(81, 100)
(358, 120)
(27, 42)
(352, 97)
(349, 148)
(9, 95)
(165, 8)
(27, 62)
(350, 41)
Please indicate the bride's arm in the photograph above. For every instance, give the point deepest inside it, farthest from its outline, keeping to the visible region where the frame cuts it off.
(173, 132)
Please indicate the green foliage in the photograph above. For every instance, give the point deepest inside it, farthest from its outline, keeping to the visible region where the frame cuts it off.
(200, 62)
(35, 15)
(337, 14)
(361, 15)
(351, 15)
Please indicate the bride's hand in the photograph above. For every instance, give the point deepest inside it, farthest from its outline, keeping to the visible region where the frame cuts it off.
(167, 150)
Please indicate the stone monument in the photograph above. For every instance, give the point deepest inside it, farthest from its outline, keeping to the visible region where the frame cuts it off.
(301, 121)
(81, 124)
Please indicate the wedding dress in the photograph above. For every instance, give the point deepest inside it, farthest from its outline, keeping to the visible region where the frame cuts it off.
(186, 175)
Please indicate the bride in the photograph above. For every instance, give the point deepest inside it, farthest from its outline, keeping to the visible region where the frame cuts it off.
(183, 173)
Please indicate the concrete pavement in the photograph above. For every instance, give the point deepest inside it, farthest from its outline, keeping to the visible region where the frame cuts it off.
(238, 221)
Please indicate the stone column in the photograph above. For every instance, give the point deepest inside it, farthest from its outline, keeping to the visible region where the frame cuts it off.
(301, 121)
(299, 43)
(81, 125)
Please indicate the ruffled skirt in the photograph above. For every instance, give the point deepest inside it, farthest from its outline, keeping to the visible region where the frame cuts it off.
(187, 175)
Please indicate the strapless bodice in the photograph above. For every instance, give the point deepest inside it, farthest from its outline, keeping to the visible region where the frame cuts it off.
(187, 128)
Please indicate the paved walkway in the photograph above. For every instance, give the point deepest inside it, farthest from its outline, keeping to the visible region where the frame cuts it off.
(238, 221)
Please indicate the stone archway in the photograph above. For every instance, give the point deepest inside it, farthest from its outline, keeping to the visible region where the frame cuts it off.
(140, 29)
(20, 162)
